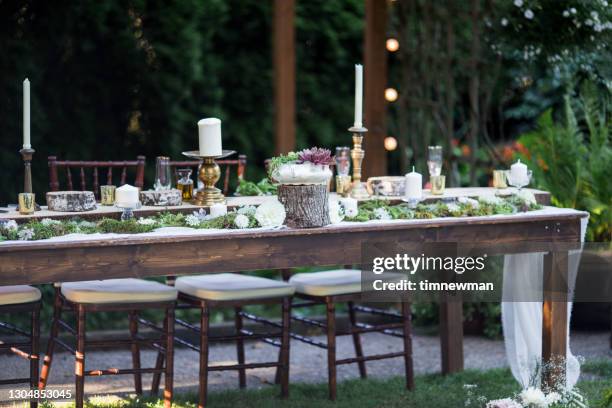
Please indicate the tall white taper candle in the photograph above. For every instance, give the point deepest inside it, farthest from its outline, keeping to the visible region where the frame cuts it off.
(358, 95)
(26, 114)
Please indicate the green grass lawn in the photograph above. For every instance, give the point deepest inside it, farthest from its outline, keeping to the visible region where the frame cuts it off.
(432, 391)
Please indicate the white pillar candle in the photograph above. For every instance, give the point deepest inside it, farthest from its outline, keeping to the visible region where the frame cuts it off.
(127, 196)
(218, 210)
(518, 172)
(358, 95)
(414, 185)
(210, 137)
(350, 206)
(26, 114)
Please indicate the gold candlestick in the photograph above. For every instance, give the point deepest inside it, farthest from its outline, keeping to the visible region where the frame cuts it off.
(27, 154)
(209, 174)
(358, 188)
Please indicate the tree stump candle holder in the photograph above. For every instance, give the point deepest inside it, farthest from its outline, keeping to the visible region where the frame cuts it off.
(307, 206)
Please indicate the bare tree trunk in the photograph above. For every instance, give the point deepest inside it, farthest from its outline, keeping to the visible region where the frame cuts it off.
(474, 89)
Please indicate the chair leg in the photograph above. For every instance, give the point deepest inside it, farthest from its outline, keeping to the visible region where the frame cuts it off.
(169, 372)
(57, 314)
(34, 352)
(79, 369)
(285, 344)
(240, 346)
(203, 355)
(407, 326)
(357, 340)
(159, 364)
(135, 351)
(331, 348)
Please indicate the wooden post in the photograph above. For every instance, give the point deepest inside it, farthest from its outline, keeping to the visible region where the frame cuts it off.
(284, 75)
(375, 71)
(554, 317)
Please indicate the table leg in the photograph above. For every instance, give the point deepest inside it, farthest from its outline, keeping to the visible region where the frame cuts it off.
(451, 334)
(554, 318)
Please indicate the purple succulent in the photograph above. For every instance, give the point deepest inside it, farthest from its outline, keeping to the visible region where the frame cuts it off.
(316, 155)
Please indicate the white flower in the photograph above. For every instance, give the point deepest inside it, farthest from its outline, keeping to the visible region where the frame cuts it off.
(469, 201)
(271, 214)
(10, 225)
(518, 3)
(382, 214)
(201, 215)
(490, 199)
(553, 398)
(566, 13)
(527, 197)
(26, 234)
(528, 14)
(241, 221)
(573, 10)
(146, 221)
(192, 220)
(594, 15)
(589, 22)
(533, 397)
(336, 211)
(247, 210)
(48, 221)
(504, 22)
(503, 403)
(452, 207)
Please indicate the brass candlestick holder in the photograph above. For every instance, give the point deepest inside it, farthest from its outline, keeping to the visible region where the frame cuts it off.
(209, 174)
(27, 154)
(358, 188)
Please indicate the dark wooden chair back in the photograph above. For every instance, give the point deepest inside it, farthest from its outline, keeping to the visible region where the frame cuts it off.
(55, 166)
(226, 169)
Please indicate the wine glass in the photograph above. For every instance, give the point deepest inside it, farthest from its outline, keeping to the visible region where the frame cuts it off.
(163, 176)
(434, 160)
(343, 160)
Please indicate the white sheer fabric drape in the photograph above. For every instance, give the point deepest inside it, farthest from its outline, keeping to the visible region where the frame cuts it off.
(522, 321)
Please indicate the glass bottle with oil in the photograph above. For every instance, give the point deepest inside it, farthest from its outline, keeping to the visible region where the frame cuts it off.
(185, 183)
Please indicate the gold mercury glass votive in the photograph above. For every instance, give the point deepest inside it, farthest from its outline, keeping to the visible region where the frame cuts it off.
(107, 195)
(27, 203)
(343, 185)
(499, 179)
(437, 184)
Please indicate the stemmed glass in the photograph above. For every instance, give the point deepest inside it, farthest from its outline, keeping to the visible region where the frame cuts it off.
(343, 160)
(434, 160)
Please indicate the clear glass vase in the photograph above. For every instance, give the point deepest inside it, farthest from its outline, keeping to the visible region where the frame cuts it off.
(163, 175)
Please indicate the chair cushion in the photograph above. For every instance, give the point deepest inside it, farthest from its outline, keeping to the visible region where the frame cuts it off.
(232, 286)
(10, 295)
(128, 290)
(334, 282)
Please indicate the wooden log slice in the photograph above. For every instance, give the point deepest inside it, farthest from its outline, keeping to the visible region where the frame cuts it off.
(71, 201)
(165, 198)
(307, 206)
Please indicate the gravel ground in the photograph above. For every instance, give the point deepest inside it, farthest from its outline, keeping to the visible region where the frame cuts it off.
(308, 363)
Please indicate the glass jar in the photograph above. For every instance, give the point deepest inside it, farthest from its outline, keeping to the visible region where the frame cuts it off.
(163, 176)
(184, 183)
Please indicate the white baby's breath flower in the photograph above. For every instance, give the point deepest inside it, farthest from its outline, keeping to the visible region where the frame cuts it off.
(271, 214)
(504, 22)
(146, 221)
(573, 10)
(527, 197)
(566, 13)
(336, 211)
(247, 210)
(491, 199)
(382, 214)
(192, 220)
(10, 225)
(452, 207)
(533, 397)
(553, 398)
(48, 222)
(518, 3)
(241, 221)
(25, 234)
(528, 14)
(201, 214)
(469, 201)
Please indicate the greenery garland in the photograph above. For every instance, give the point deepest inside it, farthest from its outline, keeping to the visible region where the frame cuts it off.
(245, 217)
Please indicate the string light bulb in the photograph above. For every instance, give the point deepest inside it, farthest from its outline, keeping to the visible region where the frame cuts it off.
(391, 94)
(390, 143)
(392, 44)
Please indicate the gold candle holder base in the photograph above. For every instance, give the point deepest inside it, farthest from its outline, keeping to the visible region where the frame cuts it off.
(26, 155)
(358, 188)
(209, 174)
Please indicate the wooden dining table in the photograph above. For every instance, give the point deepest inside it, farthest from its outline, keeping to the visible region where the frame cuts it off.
(204, 251)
